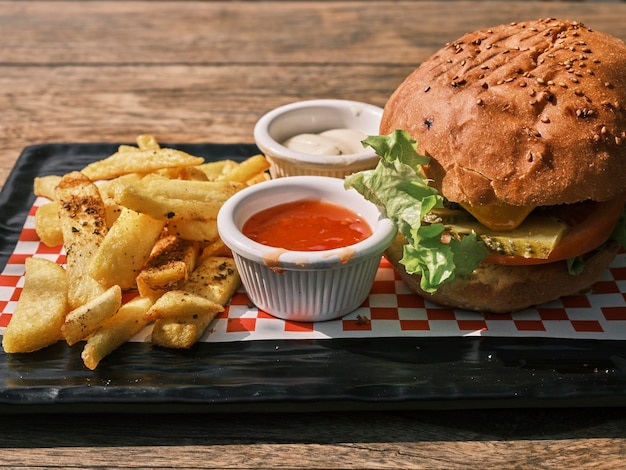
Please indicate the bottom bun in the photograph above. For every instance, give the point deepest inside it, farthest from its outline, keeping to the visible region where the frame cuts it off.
(494, 288)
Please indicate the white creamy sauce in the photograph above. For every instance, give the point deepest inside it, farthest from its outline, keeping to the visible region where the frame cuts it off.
(331, 142)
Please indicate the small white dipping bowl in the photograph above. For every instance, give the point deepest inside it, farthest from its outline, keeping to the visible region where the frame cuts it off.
(304, 286)
(313, 117)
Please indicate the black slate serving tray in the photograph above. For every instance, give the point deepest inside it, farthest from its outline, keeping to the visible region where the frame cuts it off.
(292, 375)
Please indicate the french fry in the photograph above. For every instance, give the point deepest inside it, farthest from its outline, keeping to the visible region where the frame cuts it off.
(177, 304)
(47, 225)
(206, 191)
(216, 279)
(124, 250)
(182, 316)
(84, 320)
(258, 178)
(246, 170)
(83, 222)
(44, 186)
(115, 331)
(38, 317)
(147, 142)
(215, 248)
(195, 230)
(181, 332)
(191, 173)
(137, 197)
(214, 170)
(168, 267)
(139, 161)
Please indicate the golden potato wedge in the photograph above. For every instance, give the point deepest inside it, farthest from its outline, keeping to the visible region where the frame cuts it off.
(182, 332)
(147, 142)
(82, 217)
(214, 170)
(215, 278)
(44, 186)
(115, 331)
(125, 249)
(171, 261)
(194, 230)
(176, 304)
(214, 248)
(47, 224)
(138, 197)
(258, 178)
(139, 161)
(191, 173)
(84, 320)
(246, 170)
(207, 191)
(41, 309)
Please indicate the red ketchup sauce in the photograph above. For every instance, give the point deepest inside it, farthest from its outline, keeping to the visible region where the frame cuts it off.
(307, 225)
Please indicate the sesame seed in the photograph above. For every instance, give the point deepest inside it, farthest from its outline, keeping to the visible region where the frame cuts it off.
(540, 80)
(618, 140)
(545, 119)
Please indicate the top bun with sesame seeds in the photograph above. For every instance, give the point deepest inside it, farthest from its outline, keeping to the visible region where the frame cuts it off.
(524, 130)
(526, 114)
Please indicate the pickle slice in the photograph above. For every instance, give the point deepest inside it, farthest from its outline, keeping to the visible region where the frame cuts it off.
(536, 237)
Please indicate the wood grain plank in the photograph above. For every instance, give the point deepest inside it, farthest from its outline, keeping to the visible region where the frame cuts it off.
(491, 439)
(177, 103)
(261, 32)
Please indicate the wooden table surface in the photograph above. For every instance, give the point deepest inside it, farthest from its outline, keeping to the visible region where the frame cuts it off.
(205, 71)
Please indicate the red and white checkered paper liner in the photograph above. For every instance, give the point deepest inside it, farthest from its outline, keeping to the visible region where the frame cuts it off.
(391, 309)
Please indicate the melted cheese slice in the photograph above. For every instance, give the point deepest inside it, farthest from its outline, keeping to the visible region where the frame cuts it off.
(499, 216)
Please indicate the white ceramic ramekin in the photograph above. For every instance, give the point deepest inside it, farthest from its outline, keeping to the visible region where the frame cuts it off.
(315, 116)
(304, 285)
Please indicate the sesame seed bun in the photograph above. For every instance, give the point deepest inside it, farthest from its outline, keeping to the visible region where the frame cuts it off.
(530, 114)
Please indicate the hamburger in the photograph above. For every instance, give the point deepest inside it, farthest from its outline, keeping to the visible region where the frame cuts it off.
(503, 166)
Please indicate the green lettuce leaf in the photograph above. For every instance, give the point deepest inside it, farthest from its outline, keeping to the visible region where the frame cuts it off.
(399, 189)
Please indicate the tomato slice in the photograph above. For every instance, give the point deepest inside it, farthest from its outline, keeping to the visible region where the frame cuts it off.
(591, 224)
